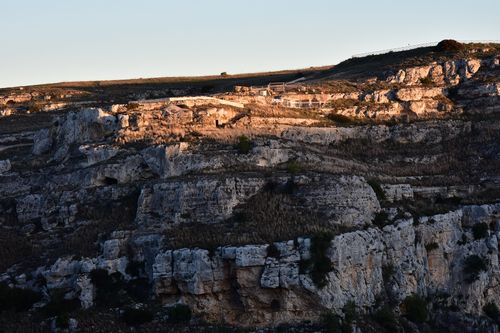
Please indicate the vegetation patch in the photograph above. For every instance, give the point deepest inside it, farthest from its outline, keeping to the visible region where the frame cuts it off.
(60, 306)
(387, 273)
(109, 287)
(137, 317)
(473, 266)
(244, 145)
(14, 248)
(431, 246)
(492, 311)
(17, 299)
(381, 219)
(480, 230)
(179, 313)
(319, 265)
(415, 309)
(331, 322)
(293, 167)
(385, 317)
(273, 214)
(272, 251)
(426, 81)
(449, 45)
(340, 119)
(377, 189)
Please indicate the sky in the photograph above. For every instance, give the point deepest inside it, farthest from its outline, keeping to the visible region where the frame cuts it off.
(72, 40)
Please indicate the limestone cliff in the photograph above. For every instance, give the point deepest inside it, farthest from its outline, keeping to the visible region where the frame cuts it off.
(366, 197)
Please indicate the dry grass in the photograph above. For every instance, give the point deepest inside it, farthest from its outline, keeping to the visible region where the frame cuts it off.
(273, 214)
(105, 217)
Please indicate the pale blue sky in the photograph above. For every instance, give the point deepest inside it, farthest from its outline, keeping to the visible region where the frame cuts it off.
(68, 40)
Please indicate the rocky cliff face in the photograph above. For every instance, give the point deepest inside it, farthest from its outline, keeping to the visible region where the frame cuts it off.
(262, 215)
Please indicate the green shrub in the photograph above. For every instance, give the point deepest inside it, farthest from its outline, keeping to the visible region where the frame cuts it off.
(480, 230)
(293, 167)
(473, 265)
(377, 189)
(491, 310)
(244, 145)
(387, 272)
(431, 246)
(340, 119)
(350, 315)
(136, 317)
(385, 317)
(132, 106)
(463, 240)
(179, 313)
(320, 263)
(331, 322)
(415, 308)
(207, 89)
(62, 321)
(139, 289)
(381, 219)
(272, 251)
(426, 81)
(60, 306)
(108, 287)
(17, 299)
(135, 268)
(34, 107)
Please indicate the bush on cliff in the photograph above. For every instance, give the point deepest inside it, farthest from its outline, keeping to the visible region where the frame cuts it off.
(60, 306)
(17, 299)
(491, 310)
(179, 313)
(109, 287)
(377, 189)
(293, 167)
(340, 119)
(473, 266)
(415, 308)
(244, 145)
(385, 317)
(136, 317)
(480, 230)
(320, 264)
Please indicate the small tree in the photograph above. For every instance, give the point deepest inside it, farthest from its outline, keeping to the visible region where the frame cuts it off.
(244, 145)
